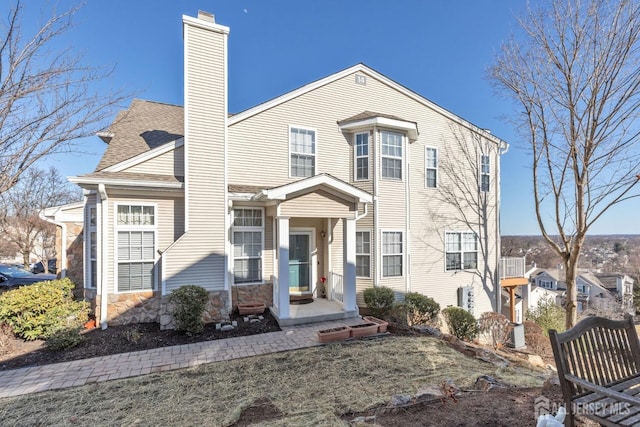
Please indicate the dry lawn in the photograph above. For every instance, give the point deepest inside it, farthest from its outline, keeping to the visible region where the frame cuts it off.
(310, 387)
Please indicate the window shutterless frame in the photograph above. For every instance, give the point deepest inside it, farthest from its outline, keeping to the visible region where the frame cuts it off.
(361, 156)
(302, 152)
(392, 252)
(247, 231)
(430, 167)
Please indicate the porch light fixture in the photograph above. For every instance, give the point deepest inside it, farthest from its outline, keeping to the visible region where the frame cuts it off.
(323, 234)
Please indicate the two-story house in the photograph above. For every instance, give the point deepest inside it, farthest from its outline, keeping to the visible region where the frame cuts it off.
(348, 182)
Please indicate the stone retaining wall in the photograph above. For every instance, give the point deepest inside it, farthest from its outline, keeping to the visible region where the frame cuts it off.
(246, 294)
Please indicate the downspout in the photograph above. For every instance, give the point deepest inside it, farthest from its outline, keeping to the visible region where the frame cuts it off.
(407, 218)
(377, 246)
(103, 243)
(503, 147)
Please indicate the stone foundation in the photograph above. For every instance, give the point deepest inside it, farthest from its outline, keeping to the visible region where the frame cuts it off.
(145, 307)
(246, 294)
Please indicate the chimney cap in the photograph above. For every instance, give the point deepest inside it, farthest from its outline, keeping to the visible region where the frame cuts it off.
(206, 16)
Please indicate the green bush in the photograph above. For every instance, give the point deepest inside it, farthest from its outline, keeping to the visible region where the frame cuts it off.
(379, 300)
(37, 311)
(461, 323)
(64, 338)
(417, 309)
(189, 303)
(548, 315)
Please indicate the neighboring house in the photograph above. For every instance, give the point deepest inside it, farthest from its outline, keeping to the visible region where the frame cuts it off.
(620, 285)
(322, 192)
(591, 291)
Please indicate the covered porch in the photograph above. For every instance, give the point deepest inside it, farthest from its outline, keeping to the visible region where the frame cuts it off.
(314, 248)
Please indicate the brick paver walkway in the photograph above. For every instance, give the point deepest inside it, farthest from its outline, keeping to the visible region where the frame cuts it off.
(80, 372)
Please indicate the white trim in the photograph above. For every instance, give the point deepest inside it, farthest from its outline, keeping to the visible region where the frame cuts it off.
(134, 184)
(410, 128)
(147, 155)
(186, 132)
(103, 246)
(361, 68)
(382, 254)
(315, 149)
(280, 193)
(462, 251)
(426, 149)
(129, 228)
(482, 173)
(356, 157)
(402, 158)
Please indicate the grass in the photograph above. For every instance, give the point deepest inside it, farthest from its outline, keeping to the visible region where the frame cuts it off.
(311, 387)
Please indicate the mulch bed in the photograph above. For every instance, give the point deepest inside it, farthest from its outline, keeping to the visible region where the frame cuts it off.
(15, 353)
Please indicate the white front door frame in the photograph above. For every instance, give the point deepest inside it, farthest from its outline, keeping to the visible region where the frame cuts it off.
(313, 254)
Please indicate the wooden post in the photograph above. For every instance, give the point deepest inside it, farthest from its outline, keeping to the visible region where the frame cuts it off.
(512, 299)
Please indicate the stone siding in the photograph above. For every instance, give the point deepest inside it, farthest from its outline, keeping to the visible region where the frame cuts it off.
(246, 294)
(75, 253)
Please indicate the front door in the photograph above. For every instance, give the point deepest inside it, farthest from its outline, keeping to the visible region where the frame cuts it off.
(299, 263)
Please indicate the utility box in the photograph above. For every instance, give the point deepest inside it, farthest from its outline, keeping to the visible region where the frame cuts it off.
(466, 298)
(517, 336)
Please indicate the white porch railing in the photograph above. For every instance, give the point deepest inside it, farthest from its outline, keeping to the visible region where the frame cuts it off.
(337, 287)
(276, 297)
(512, 267)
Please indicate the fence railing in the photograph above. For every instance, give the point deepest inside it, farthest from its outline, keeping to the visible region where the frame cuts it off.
(337, 287)
(512, 267)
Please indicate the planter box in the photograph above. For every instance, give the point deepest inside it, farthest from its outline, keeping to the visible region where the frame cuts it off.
(252, 308)
(364, 329)
(382, 325)
(334, 334)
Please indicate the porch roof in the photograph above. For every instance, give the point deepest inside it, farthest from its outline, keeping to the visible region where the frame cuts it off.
(367, 119)
(283, 192)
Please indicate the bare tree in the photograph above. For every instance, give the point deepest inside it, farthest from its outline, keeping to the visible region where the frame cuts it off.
(46, 101)
(575, 81)
(20, 222)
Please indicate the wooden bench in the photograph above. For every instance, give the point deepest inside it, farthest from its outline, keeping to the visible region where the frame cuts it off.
(598, 363)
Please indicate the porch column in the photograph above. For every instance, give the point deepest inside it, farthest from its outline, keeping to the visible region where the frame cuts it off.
(283, 267)
(349, 245)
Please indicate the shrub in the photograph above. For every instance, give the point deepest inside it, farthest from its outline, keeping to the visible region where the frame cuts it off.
(548, 315)
(417, 309)
(189, 303)
(37, 311)
(536, 341)
(461, 323)
(379, 300)
(64, 338)
(495, 328)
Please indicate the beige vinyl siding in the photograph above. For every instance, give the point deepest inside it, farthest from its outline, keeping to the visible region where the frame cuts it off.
(199, 257)
(366, 224)
(319, 203)
(268, 250)
(170, 163)
(336, 243)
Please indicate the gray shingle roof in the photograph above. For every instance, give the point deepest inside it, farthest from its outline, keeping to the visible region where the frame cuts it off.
(134, 176)
(370, 114)
(145, 125)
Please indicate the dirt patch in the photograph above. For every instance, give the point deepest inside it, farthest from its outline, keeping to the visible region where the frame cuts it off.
(260, 411)
(121, 339)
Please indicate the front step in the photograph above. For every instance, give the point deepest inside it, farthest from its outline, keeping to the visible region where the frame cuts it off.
(314, 318)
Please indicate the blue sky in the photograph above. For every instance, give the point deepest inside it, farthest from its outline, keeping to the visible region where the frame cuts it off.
(439, 49)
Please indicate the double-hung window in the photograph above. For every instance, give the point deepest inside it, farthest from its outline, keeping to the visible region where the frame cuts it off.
(362, 156)
(302, 148)
(391, 155)
(136, 230)
(363, 254)
(545, 283)
(431, 167)
(93, 246)
(391, 253)
(461, 251)
(248, 232)
(485, 170)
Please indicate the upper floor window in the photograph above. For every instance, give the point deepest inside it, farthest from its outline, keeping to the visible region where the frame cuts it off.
(431, 167)
(461, 251)
(545, 283)
(136, 247)
(485, 170)
(582, 289)
(392, 253)
(302, 146)
(391, 155)
(363, 254)
(247, 230)
(362, 156)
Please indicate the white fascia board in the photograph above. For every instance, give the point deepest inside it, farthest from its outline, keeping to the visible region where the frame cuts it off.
(205, 24)
(59, 213)
(409, 127)
(124, 183)
(143, 157)
(281, 193)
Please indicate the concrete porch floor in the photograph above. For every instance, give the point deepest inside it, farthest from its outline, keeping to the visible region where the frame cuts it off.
(320, 310)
